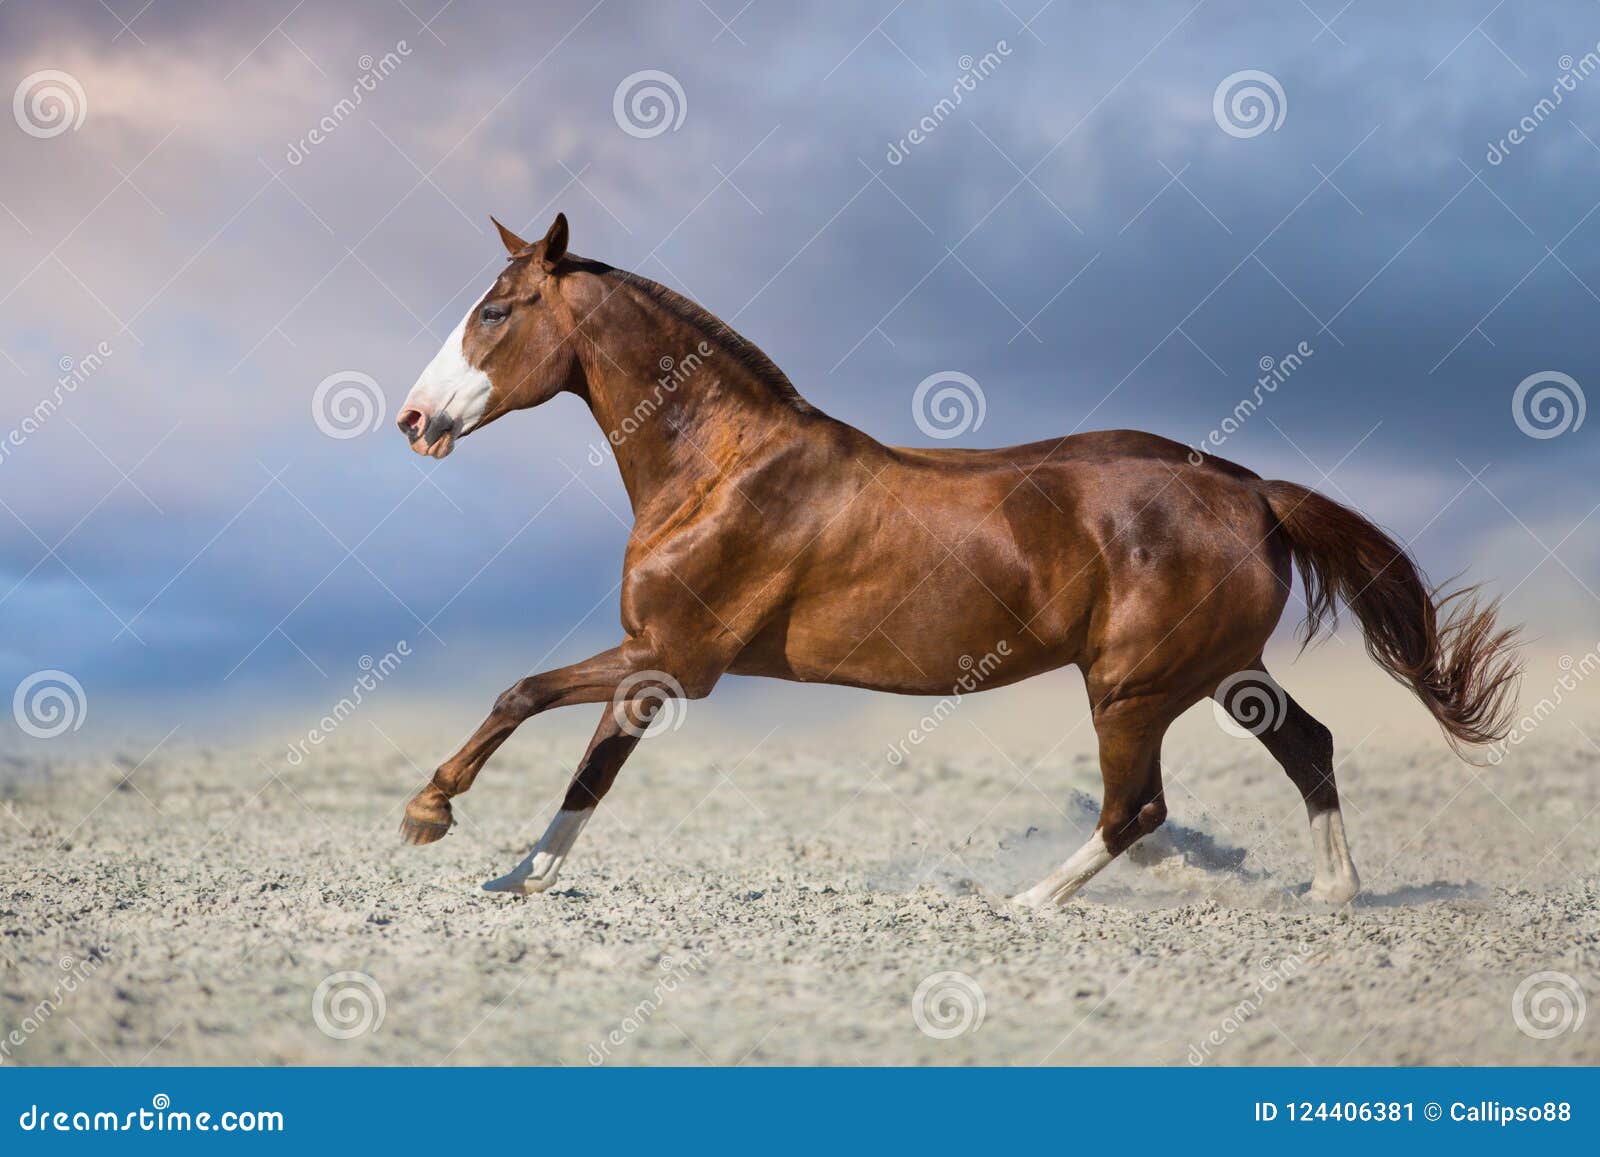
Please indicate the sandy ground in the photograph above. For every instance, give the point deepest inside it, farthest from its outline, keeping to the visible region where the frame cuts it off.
(782, 906)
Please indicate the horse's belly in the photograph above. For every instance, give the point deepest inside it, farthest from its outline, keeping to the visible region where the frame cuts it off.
(929, 638)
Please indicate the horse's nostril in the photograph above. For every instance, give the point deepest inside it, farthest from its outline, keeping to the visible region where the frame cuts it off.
(411, 421)
(438, 426)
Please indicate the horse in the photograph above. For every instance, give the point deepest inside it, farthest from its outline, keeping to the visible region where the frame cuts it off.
(771, 539)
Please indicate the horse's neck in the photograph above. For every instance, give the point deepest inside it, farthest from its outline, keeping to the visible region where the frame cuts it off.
(673, 419)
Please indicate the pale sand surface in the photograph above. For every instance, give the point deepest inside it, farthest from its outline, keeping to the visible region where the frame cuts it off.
(793, 903)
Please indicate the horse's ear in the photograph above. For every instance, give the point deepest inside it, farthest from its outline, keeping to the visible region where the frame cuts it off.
(512, 242)
(554, 245)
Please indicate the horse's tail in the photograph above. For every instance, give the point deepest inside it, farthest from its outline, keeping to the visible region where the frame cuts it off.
(1445, 647)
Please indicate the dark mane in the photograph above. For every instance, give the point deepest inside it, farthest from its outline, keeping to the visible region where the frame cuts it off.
(746, 353)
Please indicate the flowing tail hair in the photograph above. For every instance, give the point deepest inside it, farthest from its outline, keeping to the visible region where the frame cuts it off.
(1447, 648)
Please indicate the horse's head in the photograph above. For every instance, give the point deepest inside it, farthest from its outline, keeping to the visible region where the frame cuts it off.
(513, 350)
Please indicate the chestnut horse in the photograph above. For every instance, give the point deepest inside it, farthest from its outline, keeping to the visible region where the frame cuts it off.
(770, 539)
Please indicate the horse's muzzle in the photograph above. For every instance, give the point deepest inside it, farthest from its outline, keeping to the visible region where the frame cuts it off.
(431, 434)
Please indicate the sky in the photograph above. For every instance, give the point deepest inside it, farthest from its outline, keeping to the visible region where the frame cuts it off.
(228, 207)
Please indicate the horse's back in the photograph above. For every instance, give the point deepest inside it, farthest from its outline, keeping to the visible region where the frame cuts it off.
(1095, 447)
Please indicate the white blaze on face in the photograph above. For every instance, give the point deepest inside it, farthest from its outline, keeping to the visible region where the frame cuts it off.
(450, 386)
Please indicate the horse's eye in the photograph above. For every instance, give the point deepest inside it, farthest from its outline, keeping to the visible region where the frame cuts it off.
(493, 314)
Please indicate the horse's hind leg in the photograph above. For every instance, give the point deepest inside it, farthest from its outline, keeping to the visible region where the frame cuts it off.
(614, 740)
(1305, 749)
(1130, 734)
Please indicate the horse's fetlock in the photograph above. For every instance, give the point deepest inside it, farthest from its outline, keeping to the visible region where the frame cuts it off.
(1152, 815)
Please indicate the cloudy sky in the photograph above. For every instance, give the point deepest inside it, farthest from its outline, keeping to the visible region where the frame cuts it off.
(1088, 234)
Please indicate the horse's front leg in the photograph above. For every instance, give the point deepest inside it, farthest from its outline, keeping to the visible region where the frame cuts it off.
(620, 730)
(594, 680)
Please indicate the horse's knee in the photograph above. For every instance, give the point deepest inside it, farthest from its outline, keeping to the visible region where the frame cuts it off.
(1152, 815)
(517, 701)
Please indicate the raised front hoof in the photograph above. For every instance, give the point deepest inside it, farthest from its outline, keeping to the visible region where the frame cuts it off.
(427, 818)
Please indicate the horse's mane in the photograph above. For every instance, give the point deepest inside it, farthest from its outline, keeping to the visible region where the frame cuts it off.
(743, 351)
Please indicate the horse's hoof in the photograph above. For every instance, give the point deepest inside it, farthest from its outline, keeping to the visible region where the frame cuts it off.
(535, 874)
(514, 884)
(427, 817)
(419, 832)
(1336, 891)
